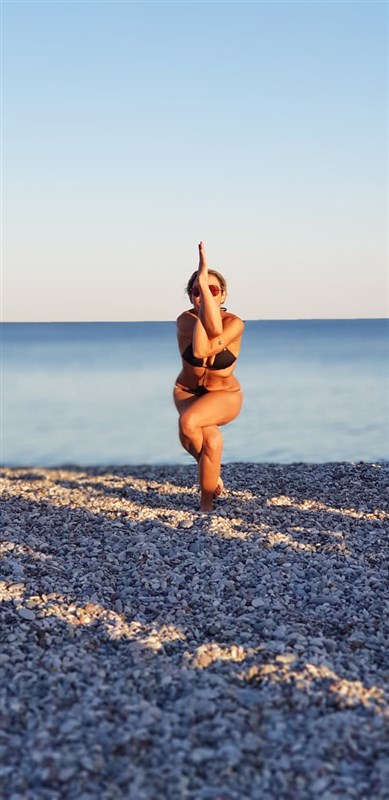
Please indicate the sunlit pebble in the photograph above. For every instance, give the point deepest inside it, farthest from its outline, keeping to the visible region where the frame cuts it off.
(140, 635)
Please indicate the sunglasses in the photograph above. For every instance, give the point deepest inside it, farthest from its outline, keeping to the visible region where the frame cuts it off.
(213, 289)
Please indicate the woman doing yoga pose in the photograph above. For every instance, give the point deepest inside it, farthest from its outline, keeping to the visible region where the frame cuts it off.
(206, 393)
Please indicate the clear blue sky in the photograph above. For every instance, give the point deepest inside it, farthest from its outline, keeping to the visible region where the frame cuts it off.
(131, 130)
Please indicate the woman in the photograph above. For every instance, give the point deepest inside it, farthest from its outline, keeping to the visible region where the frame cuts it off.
(206, 393)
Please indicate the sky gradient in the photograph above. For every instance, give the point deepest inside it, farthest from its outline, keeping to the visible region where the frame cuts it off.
(131, 130)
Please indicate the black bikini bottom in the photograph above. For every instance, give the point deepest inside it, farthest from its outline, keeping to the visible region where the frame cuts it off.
(198, 391)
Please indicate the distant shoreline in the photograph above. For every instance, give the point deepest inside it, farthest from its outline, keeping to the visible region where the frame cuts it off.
(148, 321)
(141, 467)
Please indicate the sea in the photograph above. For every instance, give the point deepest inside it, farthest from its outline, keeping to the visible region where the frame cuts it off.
(88, 394)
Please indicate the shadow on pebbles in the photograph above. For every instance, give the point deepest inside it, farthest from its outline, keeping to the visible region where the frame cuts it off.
(149, 652)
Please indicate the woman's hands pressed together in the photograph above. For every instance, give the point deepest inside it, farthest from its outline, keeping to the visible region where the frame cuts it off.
(209, 322)
(203, 267)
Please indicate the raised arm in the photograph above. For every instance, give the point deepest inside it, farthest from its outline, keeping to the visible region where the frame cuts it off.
(211, 332)
(209, 323)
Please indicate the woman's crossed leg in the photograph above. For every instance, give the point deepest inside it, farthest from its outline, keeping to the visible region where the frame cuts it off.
(199, 433)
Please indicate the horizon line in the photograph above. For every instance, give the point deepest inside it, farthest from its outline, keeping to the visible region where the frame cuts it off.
(125, 321)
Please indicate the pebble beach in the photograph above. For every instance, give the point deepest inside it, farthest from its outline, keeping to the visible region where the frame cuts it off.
(153, 653)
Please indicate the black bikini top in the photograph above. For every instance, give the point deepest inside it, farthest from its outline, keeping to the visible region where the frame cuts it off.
(221, 361)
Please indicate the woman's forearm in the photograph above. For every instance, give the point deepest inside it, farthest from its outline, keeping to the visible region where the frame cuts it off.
(200, 341)
(207, 326)
(209, 314)
(209, 322)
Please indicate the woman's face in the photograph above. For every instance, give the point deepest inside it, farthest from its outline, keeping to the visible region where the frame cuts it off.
(216, 290)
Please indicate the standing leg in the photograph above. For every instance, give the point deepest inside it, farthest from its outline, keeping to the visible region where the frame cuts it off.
(209, 465)
(208, 457)
(200, 435)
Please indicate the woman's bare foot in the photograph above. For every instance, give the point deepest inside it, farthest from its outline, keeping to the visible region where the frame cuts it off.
(219, 489)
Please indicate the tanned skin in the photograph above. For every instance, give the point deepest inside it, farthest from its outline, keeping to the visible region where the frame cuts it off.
(210, 330)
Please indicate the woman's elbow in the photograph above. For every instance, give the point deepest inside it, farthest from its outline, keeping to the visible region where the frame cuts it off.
(199, 354)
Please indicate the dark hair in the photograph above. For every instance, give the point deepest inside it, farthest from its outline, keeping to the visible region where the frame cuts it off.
(218, 275)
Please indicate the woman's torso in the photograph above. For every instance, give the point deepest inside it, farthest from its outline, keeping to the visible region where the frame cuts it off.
(214, 373)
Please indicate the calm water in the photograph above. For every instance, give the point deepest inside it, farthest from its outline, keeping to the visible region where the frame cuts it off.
(101, 393)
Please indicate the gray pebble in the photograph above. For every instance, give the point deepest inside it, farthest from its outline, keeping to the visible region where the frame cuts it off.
(244, 659)
(26, 613)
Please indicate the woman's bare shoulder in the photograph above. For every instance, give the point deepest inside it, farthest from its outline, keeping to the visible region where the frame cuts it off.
(185, 322)
(228, 317)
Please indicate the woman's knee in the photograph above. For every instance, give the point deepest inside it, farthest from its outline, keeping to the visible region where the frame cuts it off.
(187, 423)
